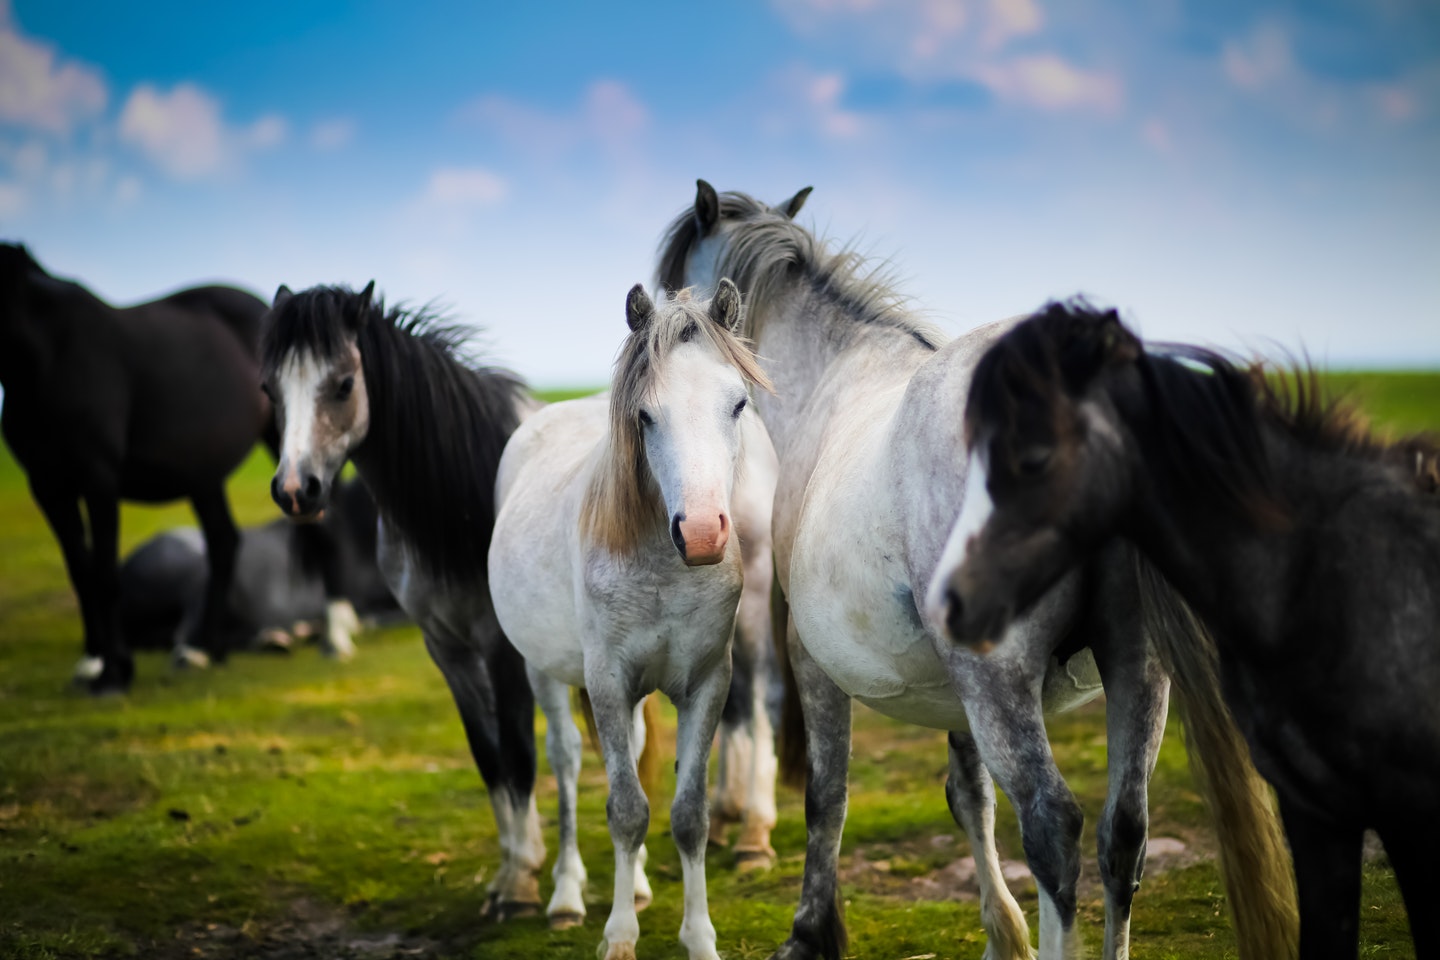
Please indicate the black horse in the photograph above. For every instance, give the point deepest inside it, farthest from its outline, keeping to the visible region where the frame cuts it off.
(154, 402)
(280, 581)
(1308, 548)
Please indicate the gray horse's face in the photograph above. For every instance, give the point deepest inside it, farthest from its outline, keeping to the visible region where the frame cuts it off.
(1043, 490)
(691, 423)
(323, 412)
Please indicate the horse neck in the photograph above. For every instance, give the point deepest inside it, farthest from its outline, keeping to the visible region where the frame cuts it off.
(810, 345)
(431, 469)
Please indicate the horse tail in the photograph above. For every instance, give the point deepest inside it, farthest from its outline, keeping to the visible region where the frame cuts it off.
(1254, 859)
(647, 766)
(793, 767)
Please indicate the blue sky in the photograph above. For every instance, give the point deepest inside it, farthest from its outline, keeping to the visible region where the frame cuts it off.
(1242, 174)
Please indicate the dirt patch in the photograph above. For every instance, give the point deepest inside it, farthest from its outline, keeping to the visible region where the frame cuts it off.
(931, 869)
(311, 931)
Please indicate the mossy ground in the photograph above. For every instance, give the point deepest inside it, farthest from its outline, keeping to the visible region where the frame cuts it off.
(293, 806)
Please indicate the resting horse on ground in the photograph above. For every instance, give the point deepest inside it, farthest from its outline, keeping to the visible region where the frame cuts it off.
(1309, 550)
(872, 471)
(597, 497)
(279, 582)
(154, 402)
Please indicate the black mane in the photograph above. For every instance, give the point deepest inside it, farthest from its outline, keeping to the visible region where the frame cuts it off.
(438, 424)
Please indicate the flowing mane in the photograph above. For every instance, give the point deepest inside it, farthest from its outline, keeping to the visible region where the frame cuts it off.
(766, 249)
(438, 421)
(622, 507)
(1209, 411)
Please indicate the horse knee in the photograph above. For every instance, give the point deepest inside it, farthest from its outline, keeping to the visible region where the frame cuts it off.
(1121, 838)
(1050, 831)
(628, 813)
(689, 823)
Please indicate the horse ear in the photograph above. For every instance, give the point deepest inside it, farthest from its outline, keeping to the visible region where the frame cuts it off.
(725, 306)
(367, 301)
(1118, 344)
(792, 206)
(638, 308)
(707, 206)
(282, 294)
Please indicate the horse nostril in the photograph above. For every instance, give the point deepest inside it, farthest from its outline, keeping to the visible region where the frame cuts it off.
(276, 493)
(954, 612)
(675, 535)
(312, 487)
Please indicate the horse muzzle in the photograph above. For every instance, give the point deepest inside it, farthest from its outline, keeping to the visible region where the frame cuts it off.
(701, 540)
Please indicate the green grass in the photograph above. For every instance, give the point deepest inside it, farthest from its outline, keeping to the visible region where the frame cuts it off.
(285, 804)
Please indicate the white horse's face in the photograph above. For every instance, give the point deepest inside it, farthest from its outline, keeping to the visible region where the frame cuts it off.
(691, 424)
(323, 413)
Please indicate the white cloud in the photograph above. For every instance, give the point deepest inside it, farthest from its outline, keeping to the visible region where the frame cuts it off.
(12, 200)
(184, 133)
(1048, 82)
(332, 134)
(942, 40)
(1262, 68)
(465, 188)
(40, 92)
(608, 115)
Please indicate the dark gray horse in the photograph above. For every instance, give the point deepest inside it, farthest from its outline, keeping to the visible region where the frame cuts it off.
(1309, 549)
(391, 391)
(279, 583)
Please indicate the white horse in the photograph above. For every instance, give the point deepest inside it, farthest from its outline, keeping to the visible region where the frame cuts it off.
(867, 426)
(614, 568)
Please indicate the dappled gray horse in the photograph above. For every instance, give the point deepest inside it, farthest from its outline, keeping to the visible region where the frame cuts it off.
(872, 472)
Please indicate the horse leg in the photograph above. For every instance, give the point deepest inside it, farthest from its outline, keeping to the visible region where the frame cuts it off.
(563, 747)
(320, 544)
(495, 722)
(699, 714)
(62, 512)
(819, 927)
(638, 734)
(971, 794)
(1327, 881)
(1002, 704)
(754, 652)
(1137, 694)
(104, 513)
(1414, 853)
(222, 543)
(626, 809)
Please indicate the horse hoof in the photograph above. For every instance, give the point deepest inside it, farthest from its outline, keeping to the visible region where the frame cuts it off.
(191, 658)
(615, 951)
(89, 668)
(641, 902)
(514, 909)
(754, 860)
(566, 919)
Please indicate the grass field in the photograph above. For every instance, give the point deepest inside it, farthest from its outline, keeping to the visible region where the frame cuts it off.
(295, 807)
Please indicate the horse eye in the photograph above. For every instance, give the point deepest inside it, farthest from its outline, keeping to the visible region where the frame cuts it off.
(646, 420)
(1034, 460)
(342, 392)
(739, 407)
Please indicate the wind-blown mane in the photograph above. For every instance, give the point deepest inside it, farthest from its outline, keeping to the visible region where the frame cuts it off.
(438, 423)
(622, 507)
(1207, 412)
(766, 249)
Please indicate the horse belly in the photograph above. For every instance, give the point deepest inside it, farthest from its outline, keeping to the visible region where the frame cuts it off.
(862, 635)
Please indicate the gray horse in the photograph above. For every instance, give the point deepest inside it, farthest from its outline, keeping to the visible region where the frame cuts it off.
(872, 471)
